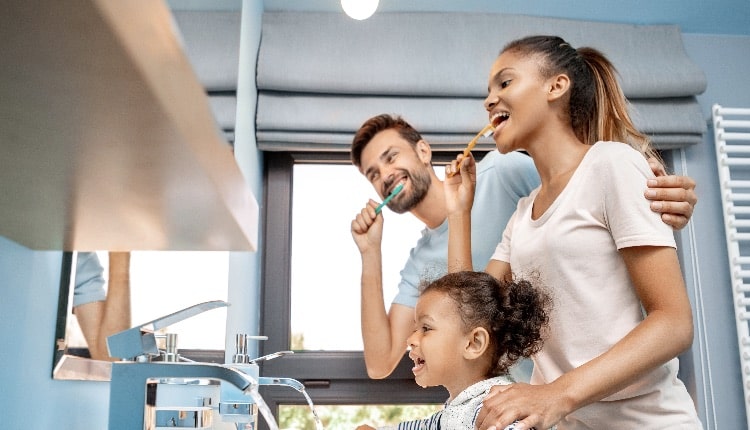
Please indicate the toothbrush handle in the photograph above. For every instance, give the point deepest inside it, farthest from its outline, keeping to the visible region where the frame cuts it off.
(474, 141)
(388, 199)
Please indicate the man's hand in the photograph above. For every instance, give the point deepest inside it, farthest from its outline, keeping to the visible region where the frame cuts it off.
(672, 196)
(367, 228)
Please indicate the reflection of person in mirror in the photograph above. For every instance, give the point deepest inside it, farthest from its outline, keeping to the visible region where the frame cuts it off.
(469, 329)
(101, 313)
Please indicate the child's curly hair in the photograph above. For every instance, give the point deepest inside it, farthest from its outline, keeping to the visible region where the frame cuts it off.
(515, 313)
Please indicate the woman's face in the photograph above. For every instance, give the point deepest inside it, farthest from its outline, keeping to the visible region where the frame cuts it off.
(517, 100)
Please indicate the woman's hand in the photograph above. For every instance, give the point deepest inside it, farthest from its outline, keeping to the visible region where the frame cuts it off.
(532, 406)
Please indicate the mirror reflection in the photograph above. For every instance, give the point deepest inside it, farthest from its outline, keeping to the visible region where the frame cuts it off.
(112, 291)
(99, 312)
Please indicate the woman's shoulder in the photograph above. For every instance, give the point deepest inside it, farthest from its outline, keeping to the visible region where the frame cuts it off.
(612, 149)
(607, 154)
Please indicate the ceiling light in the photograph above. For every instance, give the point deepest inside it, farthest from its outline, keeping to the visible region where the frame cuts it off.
(359, 9)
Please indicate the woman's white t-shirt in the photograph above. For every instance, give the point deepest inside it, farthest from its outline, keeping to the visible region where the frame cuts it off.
(572, 249)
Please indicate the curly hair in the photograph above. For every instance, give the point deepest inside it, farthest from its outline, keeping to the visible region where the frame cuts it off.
(515, 313)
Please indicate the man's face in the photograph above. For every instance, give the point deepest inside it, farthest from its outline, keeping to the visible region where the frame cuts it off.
(389, 160)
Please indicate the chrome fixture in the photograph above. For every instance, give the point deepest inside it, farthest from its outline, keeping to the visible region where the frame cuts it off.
(139, 343)
(132, 381)
(139, 386)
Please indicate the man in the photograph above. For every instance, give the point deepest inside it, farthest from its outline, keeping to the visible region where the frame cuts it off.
(388, 152)
(101, 313)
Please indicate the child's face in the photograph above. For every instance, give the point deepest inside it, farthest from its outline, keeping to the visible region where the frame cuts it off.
(438, 342)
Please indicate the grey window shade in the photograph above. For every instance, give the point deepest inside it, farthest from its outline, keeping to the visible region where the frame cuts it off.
(320, 75)
(211, 41)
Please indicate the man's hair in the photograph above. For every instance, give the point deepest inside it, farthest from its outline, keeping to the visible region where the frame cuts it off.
(375, 125)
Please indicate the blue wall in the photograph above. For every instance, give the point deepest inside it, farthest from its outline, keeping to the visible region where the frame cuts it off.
(30, 278)
(32, 400)
(726, 62)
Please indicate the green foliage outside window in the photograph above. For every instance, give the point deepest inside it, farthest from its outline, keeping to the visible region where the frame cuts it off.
(348, 417)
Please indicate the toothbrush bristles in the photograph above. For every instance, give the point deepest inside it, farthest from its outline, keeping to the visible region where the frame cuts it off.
(486, 131)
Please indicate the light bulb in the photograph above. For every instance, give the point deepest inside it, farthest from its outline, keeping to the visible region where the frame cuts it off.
(359, 9)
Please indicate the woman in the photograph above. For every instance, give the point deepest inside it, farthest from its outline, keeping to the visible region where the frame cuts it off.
(622, 314)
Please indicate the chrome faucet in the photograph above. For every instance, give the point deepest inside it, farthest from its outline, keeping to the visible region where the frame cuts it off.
(130, 382)
(236, 407)
(134, 383)
(139, 342)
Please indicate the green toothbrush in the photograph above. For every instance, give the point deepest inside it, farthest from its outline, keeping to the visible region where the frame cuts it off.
(390, 196)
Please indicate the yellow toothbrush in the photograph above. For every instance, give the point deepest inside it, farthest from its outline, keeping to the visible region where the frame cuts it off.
(486, 131)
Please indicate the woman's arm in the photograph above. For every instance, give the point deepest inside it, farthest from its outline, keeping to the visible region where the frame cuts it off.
(499, 269)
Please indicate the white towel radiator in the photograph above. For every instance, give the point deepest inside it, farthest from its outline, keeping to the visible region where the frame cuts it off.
(732, 136)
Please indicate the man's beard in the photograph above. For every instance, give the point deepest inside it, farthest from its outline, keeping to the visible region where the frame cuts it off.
(407, 200)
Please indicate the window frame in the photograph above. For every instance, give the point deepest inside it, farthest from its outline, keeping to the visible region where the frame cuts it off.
(330, 377)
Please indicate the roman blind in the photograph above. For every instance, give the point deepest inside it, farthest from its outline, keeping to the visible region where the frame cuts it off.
(320, 75)
(211, 42)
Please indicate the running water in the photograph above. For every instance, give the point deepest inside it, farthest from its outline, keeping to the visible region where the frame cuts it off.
(292, 383)
(318, 423)
(264, 409)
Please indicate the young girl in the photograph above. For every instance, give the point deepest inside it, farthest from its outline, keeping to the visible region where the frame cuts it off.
(622, 313)
(470, 328)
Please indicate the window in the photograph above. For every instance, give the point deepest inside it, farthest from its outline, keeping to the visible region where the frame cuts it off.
(314, 308)
(325, 265)
(165, 282)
